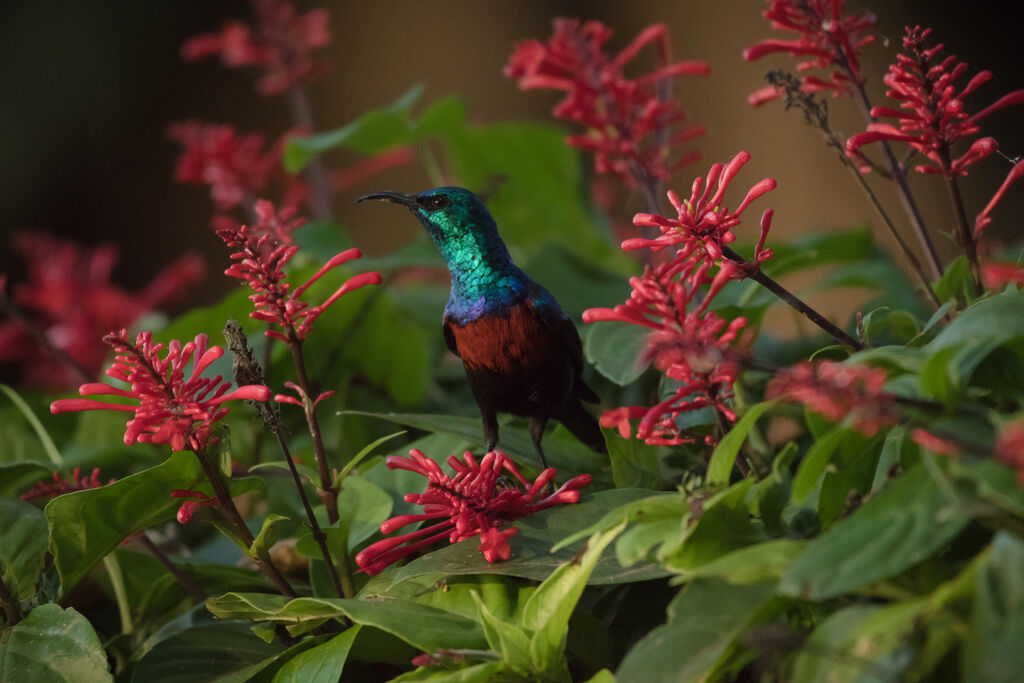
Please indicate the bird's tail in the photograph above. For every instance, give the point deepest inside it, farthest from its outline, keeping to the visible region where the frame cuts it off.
(583, 425)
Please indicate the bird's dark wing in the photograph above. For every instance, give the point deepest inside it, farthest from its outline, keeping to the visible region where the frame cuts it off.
(568, 339)
(449, 338)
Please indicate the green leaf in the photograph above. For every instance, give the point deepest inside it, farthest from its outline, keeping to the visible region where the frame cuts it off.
(52, 645)
(704, 621)
(765, 561)
(16, 477)
(86, 525)
(269, 533)
(907, 521)
(478, 673)
(511, 641)
(635, 464)
(812, 467)
(614, 349)
(44, 437)
(224, 652)
(546, 614)
(532, 554)
(956, 283)
(567, 454)
(321, 664)
(723, 525)
(362, 505)
(722, 460)
(358, 457)
(992, 650)
(998, 319)
(424, 627)
(22, 546)
(372, 131)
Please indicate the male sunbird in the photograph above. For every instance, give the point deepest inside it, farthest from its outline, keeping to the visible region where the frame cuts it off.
(521, 353)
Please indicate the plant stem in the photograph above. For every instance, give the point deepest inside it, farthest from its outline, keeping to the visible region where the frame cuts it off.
(328, 493)
(12, 613)
(755, 274)
(174, 570)
(343, 585)
(230, 512)
(964, 235)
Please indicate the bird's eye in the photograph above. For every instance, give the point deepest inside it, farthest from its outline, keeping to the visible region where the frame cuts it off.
(434, 202)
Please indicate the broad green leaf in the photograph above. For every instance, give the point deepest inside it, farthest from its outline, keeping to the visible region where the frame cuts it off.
(602, 676)
(765, 561)
(321, 664)
(52, 645)
(907, 521)
(651, 507)
(994, 481)
(268, 535)
(532, 555)
(998, 319)
(363, 506)
(635, 464)
(937, 380)
(724, 524)
(704, 622)
(511, 641)
(225, 652)
(375, 129)
(992, 649)
(824, 656)
(478, 673)
(22, 546)
(956, 283)
(722, 460)
(886, 326)
(424, 627)
(567, 454)
(86, 525)
(546, 614)
(614, 348)
(17, 477)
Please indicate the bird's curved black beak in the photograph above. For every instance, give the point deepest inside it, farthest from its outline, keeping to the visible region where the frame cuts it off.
(407, 200)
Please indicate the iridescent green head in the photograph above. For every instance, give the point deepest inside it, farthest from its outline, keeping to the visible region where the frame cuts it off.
(460, 225)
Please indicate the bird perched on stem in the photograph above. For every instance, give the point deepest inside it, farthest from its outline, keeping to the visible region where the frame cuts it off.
(521, 353)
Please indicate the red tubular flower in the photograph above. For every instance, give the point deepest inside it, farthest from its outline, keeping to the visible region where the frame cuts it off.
(995, 274)
(172, 408)
(236, 167)
(1010, 447)
(689, 346)
(468, 504)
(631, 124)
(933, 443)
(703, 224)
(59, 486)
(839, 391)
(260, 260)
(827, 40)
(985, 217)
(931, 116)
(69, 298)
(189, 507)
(282, 44)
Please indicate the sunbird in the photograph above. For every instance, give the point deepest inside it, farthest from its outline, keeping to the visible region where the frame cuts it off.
(521, 353)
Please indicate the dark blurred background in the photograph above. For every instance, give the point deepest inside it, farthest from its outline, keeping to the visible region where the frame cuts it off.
(87, 91)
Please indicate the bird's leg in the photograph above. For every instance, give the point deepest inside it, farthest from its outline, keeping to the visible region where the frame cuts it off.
(537, 425)
(490, 429)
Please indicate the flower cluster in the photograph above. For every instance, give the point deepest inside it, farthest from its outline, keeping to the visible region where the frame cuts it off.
(70, 302)
(59, 486)
(282, 44)
(173, 408)
(260, 258)
(236, 167)
(828, 39)
(473, 502)
(692, 347)
(632, 124)
(839, 391)
(931, 115)
(703, 225)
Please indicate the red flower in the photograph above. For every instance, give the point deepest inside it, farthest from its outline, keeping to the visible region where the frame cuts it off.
(468, 504)
(839, 391)
(282, 45)
(69, 298)
(189, 507)
(828, 40)
(933, 443)
(59, 486)
(985, 217)
(1010, 447)
(172, 408)
(931, 115)
(996, 274)
(632, 125)
(260, 260)
(704, 225)
(691, 347)
(236, 167)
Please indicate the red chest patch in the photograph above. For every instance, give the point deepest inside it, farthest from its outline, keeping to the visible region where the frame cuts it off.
(503, 345)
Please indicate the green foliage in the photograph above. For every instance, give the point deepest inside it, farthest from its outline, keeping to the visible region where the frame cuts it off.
(53, 645)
